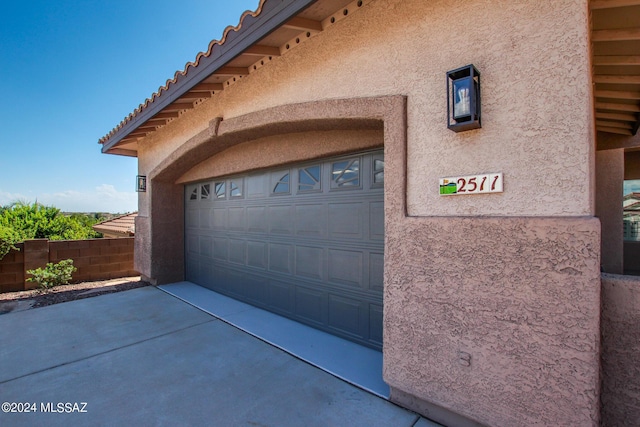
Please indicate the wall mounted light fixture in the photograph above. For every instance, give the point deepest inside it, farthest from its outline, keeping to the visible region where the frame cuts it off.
(463, 99)
(141, 183)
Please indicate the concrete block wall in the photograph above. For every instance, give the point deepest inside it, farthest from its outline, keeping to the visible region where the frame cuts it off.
(96, 259)
(12, 270)
(620, 357)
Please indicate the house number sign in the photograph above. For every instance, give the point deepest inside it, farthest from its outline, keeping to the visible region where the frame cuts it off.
(472, 184)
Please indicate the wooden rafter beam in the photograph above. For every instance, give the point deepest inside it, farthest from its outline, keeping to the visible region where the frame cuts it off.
(157, 122)
(207, 87)
(609, 4)
(231, 71)
(148, 127)
(616, 60)
(303, 24)
(615, 130)
(178, 107)
(623, 80)
(196, 95)
(617, 116)
(617, 94)
(261, 50)
(619, 125)
(632, 108)
(625, 34)
(165, 115)
(139, 133)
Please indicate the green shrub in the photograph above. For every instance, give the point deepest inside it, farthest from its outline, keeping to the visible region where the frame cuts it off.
(7, 240)
(53, 274)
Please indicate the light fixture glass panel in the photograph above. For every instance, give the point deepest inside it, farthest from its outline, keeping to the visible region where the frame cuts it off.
(462, 97)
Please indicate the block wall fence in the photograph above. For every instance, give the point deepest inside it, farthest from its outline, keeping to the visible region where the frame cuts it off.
(95, 259)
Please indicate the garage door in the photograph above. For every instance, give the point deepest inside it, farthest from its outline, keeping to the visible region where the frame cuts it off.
(304, 241)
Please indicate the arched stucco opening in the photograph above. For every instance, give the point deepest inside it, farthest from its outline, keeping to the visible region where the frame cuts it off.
(160, 236)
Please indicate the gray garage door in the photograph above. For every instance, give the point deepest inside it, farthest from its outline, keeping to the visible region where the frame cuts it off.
(304, 241)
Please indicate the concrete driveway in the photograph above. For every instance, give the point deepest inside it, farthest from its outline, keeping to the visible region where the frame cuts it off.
(144, 358)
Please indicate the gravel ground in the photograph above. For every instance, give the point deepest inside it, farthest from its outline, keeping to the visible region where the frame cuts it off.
(24, 300)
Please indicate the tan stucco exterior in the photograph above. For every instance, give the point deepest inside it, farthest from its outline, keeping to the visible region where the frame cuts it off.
(491, 302)
(620, 347)
(536, 99)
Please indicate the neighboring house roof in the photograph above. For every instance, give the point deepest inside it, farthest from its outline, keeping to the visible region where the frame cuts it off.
(123, 225)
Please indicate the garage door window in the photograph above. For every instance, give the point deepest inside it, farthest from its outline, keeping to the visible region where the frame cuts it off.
(309, 179)
(194, 194)
(205, 189)
(220, 190)
(378, 172)
(235, 189)
(282, 184)
(346, 174)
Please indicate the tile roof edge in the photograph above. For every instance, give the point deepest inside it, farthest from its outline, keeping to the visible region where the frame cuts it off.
(185, 71)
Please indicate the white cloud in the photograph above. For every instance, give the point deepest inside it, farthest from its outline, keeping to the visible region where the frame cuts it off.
(105, 198)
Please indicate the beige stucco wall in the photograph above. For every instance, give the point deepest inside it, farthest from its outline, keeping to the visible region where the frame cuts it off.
(535, 91)
(518, 295)
(620, 350)
(282, 149)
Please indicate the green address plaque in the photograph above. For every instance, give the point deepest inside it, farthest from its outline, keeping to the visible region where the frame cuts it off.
(472, 184)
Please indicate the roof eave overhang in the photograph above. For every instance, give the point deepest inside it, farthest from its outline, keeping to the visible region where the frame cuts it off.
(272, 16)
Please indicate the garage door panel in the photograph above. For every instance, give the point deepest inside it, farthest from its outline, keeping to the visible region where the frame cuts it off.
(280, 257)
(345, 314)
(375, 324)
(282, 297)
(310, 262)
(280, 220)
(257, 288)
(219, 219)
(193, 219)
(257, 254)
(257, 219)
(237, 251)
(204, 218)
(220, 248)
(311, 220)
(376, 272)
(345, 267)
(376, 221)
(306, 242)
(206, 246)
(345, 220)
(236, 219)
(256, 186)
(236, 283)
(192, 244)
(310, 305)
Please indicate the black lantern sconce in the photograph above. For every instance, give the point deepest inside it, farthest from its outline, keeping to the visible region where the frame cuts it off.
(141, 184)
(463, 99)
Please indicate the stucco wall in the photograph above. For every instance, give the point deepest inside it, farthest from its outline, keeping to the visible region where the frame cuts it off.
(495, 319)
(282, 149)
(610, 178)
(620, 350)
(535, 86)
(506, 282)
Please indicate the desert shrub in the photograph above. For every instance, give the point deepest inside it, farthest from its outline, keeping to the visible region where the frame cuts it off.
(53, 274)
(8, 238)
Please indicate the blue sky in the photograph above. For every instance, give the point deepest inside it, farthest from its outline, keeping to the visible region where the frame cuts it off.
(70, 71)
